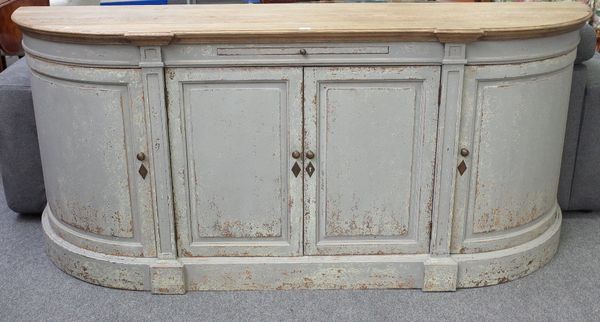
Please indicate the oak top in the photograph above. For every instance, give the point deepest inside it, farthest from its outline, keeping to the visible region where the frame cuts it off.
(446, 22)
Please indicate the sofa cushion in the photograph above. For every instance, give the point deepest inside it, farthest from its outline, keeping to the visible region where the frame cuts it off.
(20, 163)
(16, 76)
(576, 102)
(585, 192)
(587, 44)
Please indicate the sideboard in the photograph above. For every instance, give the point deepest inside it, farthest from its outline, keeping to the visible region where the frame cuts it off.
(301, 146)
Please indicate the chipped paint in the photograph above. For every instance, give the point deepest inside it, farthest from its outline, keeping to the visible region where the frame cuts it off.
(244, 221)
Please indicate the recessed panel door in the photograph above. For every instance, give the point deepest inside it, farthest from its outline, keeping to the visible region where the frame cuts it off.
(238, 187)
(93, 127)
(370, 135)
(513, 124)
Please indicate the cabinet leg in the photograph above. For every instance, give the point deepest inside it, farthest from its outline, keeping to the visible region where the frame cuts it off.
(441, 274)
(167, 277)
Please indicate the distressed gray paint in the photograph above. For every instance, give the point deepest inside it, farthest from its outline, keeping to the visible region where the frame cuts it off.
(520, 50)
(221, 208)
(90, 55)
(316, 54)
(451, 88)
(373, 133)
(440, 270)
(159, 168)
(89, 132)
(514, 129)
(240, 124)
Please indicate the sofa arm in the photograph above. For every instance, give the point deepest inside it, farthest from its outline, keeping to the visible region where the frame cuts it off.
(585, 191)
(20, 162)
(587, 45)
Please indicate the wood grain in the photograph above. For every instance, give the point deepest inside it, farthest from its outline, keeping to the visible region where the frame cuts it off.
(10, 35)
(446, 22)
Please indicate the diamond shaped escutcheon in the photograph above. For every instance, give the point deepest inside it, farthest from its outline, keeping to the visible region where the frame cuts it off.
(296, 169)
(143, 171)
(310, 169)
(462, 167)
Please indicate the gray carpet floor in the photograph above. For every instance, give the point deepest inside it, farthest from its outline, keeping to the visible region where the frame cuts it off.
(32, 289)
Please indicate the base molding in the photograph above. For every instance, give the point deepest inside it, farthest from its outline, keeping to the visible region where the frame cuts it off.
(167, 277)
(440, 274)
(307, 272)
(505, 265)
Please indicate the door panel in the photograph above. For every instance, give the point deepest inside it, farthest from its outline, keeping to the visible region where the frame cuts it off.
(240, 128)
(512, 117)
(372, 131)
(96, 117)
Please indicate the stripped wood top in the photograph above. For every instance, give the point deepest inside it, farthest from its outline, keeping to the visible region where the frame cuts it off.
(446, 22)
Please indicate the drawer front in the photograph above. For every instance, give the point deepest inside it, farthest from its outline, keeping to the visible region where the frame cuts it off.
(372, 131)
(303, 54)
(232, 133)
(303, 50)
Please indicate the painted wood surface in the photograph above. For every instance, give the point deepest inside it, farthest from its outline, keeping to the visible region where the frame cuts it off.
(285, 23)
(381, 164)
(90, 133)
(372, 133)
(10, 34)
(512, 128)
(243, 125)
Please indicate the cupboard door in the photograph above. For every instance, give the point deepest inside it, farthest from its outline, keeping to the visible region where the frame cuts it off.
(94, 125)
(371, 132)
(513, 123)
(233, 132)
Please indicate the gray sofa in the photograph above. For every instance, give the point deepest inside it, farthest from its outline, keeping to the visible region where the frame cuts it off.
(579, 187)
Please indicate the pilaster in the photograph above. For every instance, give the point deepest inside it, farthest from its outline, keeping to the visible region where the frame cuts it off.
(160, 167)
(441, 270)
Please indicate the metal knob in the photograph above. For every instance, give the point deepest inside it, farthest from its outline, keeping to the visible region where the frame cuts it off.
(303, 52)
(295, 154)
(310, 154)
(464, 152)
(141, 156)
